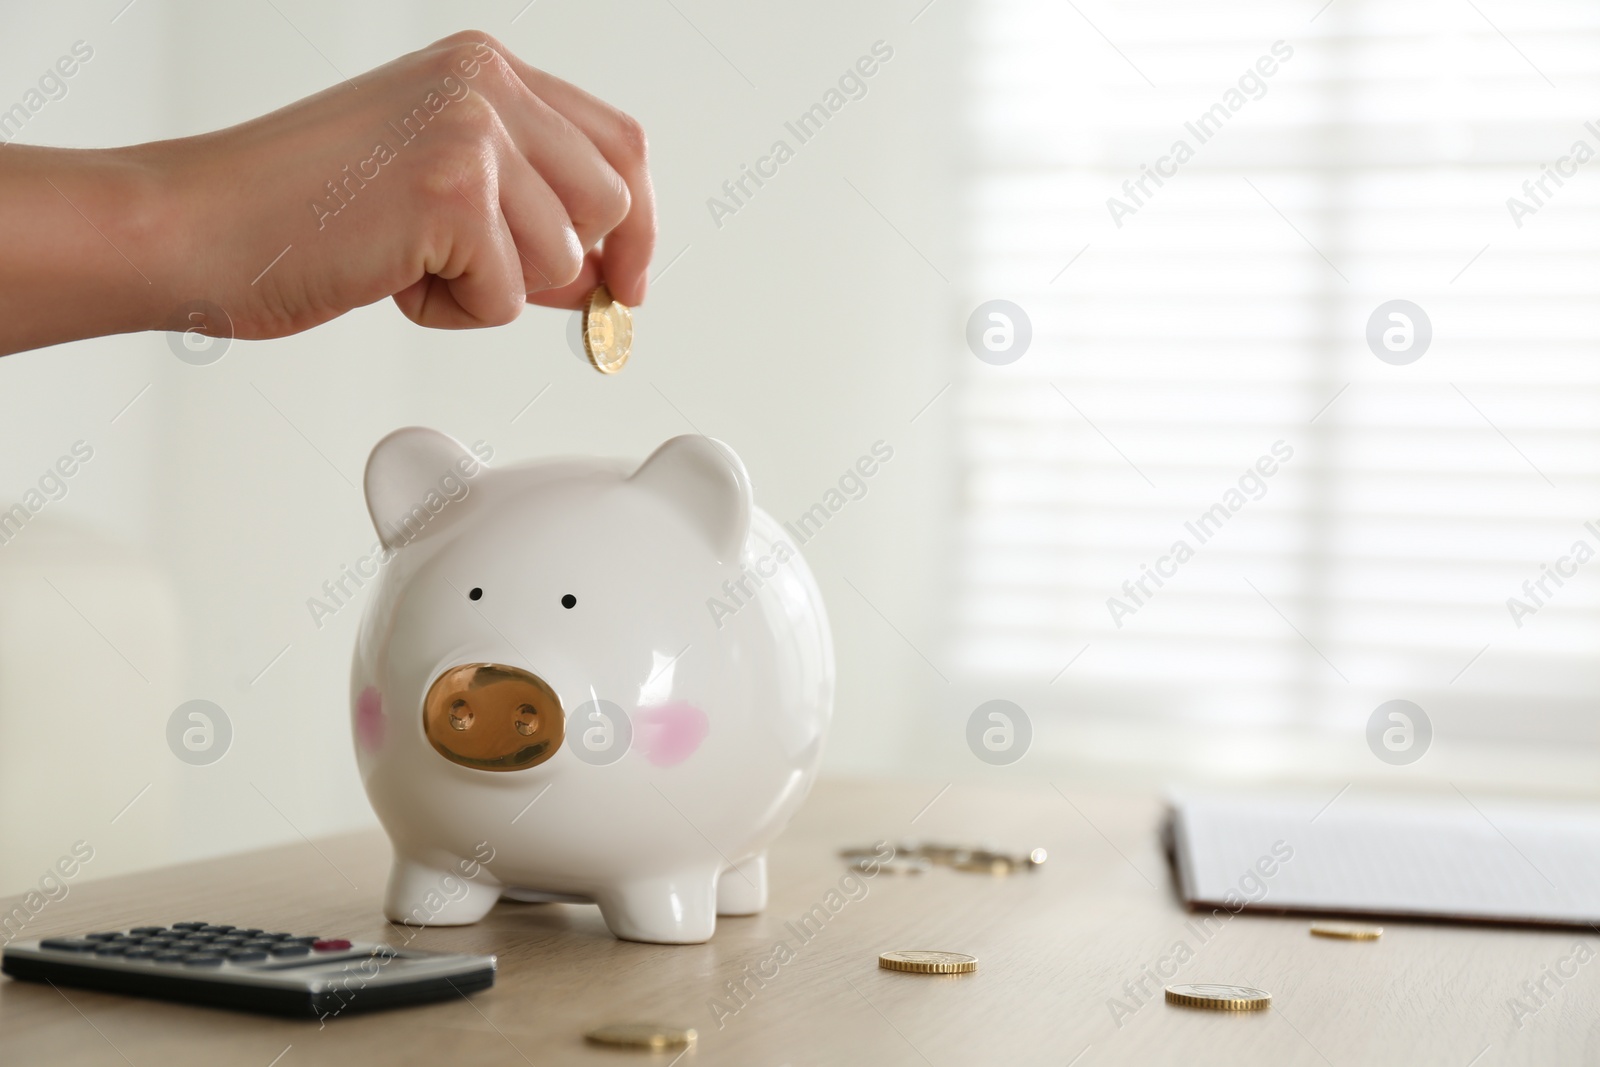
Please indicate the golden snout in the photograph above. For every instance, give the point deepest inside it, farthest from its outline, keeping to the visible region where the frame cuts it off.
(491, 717)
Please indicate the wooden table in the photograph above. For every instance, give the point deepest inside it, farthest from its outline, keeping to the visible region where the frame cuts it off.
(1056, 947)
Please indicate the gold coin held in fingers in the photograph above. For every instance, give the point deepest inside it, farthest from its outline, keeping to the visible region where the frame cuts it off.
(1346, 931)
(653, 1036)
(927, 961)
(1218, 997)
(607, 332)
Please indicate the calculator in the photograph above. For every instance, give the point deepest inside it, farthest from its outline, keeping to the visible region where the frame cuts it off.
(248, 968)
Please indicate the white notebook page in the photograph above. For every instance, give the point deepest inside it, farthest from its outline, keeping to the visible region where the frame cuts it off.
(1446, 857)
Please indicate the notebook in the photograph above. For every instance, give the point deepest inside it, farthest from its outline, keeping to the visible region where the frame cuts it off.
(1452, 857)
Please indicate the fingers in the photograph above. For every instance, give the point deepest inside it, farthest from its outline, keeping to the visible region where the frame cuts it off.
(594, 195)
(547, 244)
(620, 140)
(559, 198)
(576, 293)
(474, 277)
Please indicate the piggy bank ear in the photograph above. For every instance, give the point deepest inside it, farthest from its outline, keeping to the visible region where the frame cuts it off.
(415, 477)
(706, 481)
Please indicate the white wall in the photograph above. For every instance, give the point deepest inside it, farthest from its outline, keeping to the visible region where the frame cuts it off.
(801, 331)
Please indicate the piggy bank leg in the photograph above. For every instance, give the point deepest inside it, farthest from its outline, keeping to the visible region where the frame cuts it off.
(742, 889)
(423, 895)
(671, 909)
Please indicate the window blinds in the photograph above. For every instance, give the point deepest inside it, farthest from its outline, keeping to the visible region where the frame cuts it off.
(1187, 330)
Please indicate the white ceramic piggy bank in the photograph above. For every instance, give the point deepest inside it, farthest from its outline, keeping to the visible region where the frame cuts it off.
(577, 681)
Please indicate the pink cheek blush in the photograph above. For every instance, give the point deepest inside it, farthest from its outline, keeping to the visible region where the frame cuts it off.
(369, 719)
(670, 733)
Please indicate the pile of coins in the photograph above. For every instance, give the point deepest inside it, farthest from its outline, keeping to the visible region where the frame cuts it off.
(917, 858)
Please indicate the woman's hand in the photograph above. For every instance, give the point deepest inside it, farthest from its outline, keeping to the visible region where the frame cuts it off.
(458, 180)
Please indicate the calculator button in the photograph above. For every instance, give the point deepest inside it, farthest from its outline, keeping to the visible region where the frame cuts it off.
(214, 929)
(202, 959)
(110, 948)
(337, 944)
(245, 955)
(109, 935)
(290, 950)
(145, 931)
(276, 937)
(68, 944)
(302, 940)
(187, 926)
(254, 931)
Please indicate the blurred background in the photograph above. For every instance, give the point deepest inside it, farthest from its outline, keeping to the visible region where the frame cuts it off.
(1159, 340)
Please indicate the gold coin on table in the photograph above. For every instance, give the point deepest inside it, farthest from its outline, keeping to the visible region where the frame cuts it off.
(1346, 931)
(927, 961)
(607, 332)
(1218, 997)
(653, 1036)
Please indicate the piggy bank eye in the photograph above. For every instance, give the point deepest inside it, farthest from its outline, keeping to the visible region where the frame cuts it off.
(476, 594)
(569, 601)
